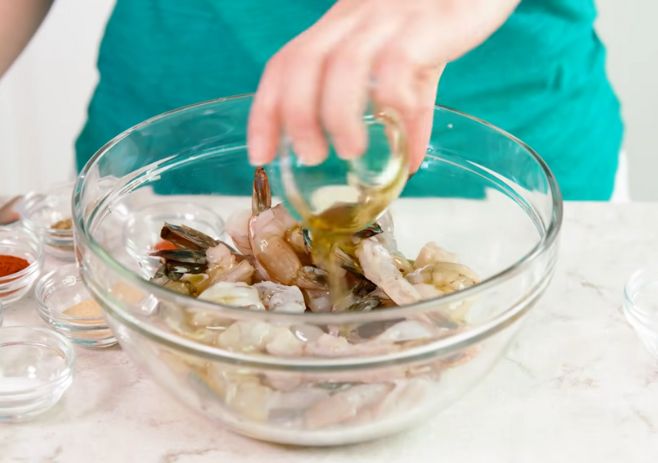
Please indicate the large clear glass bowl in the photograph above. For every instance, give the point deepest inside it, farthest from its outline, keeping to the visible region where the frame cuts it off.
(480, 193)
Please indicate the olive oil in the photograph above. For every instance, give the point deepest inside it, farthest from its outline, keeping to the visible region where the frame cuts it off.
(334, 228)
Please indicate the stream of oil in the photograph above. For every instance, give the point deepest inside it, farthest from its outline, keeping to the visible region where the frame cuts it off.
(335, 227)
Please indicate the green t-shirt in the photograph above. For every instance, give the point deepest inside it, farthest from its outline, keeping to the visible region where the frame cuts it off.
(541, 76)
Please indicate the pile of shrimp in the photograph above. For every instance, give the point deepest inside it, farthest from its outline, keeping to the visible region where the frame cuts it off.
(270, 264)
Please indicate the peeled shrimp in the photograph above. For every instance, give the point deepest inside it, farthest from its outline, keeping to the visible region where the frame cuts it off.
(345, 405)
(245, 336)
(254, 336)
(283, 343)
(328, 345)
(427, 291)
(380, 267)
(281, 298)
(432, 253)
(451, 276)
(235, 294)
(407, 330)
(250, 399)
(318, 300)
(241, 272)
(297, 240)
(237, 227)
(220, 255)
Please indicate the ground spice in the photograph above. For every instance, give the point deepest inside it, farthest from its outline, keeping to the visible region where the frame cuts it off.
(88, 308)
(65, 224)
(11, 264)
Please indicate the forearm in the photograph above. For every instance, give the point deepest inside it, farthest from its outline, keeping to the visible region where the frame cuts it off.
(19, 20)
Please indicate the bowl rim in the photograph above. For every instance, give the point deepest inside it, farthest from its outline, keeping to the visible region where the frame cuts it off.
(544, 244)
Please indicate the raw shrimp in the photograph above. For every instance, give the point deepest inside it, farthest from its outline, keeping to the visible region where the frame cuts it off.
(427, 291)
(235, 294)
(297, 238)
(281, 298)
(345, 405)
(245, 336)
(432, 253)
(451, 276)
(283, 343)
(220, 255)
(241, 272)
(318, 300)
(445, 277)
(380, 267)
(256, 336)
(237, 227)
(294, 271)
(275, 259)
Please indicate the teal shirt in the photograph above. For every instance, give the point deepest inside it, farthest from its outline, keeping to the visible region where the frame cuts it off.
(541, 76)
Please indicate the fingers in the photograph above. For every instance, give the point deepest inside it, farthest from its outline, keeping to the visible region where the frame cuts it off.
(407, 82)
(263, 129)
(301, 121)
(288, 94)
(319, 84)
(346, 86)
(419, 127)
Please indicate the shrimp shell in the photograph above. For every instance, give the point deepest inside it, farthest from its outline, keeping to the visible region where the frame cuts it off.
(237, 227)
(432, 253)
(380, 267)
(187, 237)
(262, 195)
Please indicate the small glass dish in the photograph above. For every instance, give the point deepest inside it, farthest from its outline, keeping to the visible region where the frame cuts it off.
(36, 368)
(66, 305)
(141, 231)
(48, 215)
(367, 184)
(641, 306)
(21, 243)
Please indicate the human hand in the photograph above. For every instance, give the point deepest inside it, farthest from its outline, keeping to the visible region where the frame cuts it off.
(320, 81)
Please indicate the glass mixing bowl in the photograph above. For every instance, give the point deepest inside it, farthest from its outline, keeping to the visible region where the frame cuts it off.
(321, 378)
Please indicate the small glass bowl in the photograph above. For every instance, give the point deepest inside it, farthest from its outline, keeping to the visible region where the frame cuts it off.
(142, 229)
(641, 306)
(60, 290)
(40, 212)
(36, 368)
(22, 243)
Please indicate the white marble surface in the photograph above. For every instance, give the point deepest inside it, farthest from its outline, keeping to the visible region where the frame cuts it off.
(577, 385)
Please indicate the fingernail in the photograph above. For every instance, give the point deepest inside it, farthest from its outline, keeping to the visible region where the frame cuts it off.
(310, 154)
(257, 152)
(346, 149)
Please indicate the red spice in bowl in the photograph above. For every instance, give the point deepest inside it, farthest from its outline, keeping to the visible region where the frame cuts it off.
(11, 264)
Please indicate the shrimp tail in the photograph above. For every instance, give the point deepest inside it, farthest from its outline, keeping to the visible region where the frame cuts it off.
(262, 195)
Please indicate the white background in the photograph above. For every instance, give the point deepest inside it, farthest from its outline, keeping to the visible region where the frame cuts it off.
(43, 98)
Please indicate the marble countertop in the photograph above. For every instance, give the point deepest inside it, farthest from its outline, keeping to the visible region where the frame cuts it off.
(576, 385)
